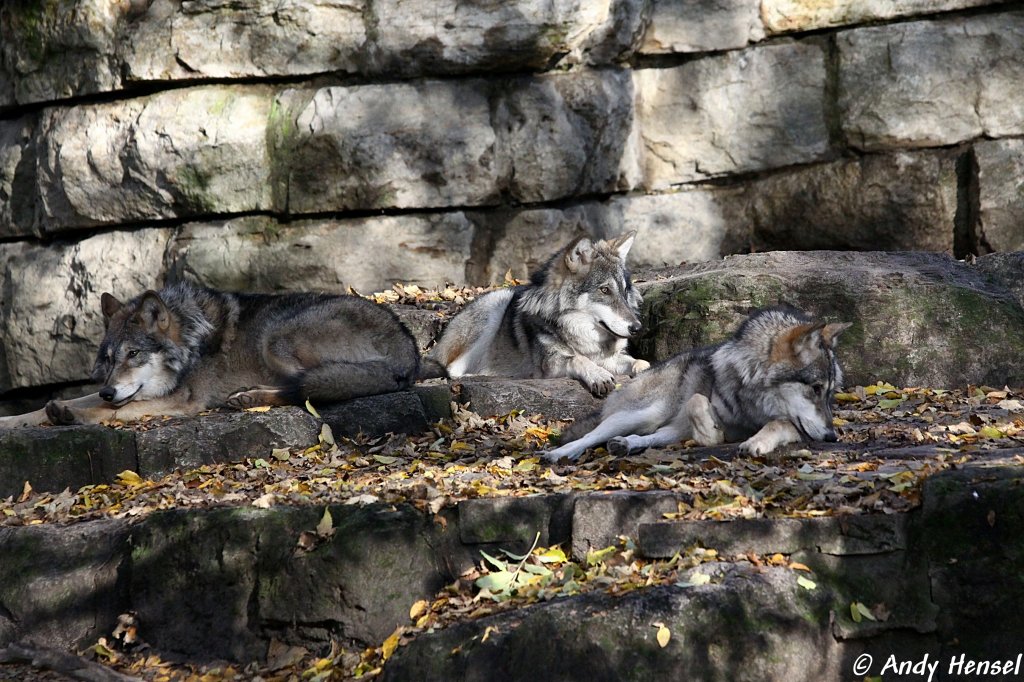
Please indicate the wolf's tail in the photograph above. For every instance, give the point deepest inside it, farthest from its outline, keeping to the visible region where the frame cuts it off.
(581, 427)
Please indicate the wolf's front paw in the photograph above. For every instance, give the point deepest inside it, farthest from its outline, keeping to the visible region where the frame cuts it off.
(639, 366)
(755, 447)
(60, 414)
(599, 381)
(552, 456)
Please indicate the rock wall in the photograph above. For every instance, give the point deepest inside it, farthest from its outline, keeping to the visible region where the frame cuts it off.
(318, 145)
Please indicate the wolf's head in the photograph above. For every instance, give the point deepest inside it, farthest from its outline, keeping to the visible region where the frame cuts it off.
(597, 286)
(137, 358)
(798, 367)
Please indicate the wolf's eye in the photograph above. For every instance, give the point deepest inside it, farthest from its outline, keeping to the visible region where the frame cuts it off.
(132, 353)
(818, 388)
(606, 290)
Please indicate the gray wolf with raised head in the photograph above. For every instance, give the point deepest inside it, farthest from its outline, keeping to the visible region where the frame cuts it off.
(771, 384)
(573, 319)
(186, 349)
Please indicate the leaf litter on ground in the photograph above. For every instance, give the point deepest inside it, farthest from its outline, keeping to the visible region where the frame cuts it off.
(891, 439)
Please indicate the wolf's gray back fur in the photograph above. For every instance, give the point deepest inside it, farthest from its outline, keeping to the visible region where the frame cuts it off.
(779, 367)
(572, 319)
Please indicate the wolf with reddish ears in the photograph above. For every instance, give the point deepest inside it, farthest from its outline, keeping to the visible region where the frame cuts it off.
(771, 384)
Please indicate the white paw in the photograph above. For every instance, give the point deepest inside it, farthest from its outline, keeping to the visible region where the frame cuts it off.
(553, 456)
(639, 366)
(755, 447)
(599, 381)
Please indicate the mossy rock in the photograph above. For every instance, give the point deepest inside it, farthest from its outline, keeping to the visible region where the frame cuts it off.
(918, 318)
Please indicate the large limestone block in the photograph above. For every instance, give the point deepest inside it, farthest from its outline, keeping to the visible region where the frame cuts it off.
(1001, 194)
(179, 153)
(401, 145)
(701, 26)
(18, 194)
(432, 36)
(919, 319)
(895, 202)
(520, 241)
(367, 254)
(50, 319)
(693, 225)
(55, 49)
(742, 111)
(217, 39)
(931, 83)
(805, 15)
(570, 134)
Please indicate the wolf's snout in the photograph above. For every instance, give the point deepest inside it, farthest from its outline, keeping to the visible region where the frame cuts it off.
(108, 393)
(830, 436)
(635, 328)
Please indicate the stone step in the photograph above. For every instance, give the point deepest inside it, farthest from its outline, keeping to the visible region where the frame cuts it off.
(54, 458)
(221, 583)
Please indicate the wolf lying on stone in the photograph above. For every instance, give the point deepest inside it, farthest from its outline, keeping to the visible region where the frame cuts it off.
(572, 319)
(772, 383)
(186, 349)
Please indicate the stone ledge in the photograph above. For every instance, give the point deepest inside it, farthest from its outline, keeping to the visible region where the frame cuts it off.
(54, 458)
(562, 398)
(839, 535)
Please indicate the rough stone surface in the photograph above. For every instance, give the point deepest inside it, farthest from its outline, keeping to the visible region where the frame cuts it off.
(918, 319)
(598, 637)
(570, 134)
(18, 178)
(246, 582)
(54, 50)
(62, 587)
(50, 319)
(554, 398)
(1001, 194)
(175, 154)
(971, 530)
(450, 36)
(1005, 270)
(222, 437)
(840, 535)
(514, 521)
(214, 39)
(931, 83)
(742, 111)
(894, 202)
(799, 15)
(55, 458)
(600, 518)
(415, 144)
(701, 26)
(262, 254)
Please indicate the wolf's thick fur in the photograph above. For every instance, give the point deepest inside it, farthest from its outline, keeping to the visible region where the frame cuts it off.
(573, 319)
(186, 349)
(772, 383)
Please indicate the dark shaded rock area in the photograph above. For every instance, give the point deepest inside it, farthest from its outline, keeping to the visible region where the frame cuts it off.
(221, 583)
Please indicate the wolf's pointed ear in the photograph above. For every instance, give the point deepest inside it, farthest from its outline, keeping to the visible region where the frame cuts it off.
(109, 305)
(579, 254)
(623, 243)
(832, 331)
(153, 314)
(797, 345)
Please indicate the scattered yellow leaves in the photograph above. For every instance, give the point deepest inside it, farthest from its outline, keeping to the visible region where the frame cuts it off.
(664, 635)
